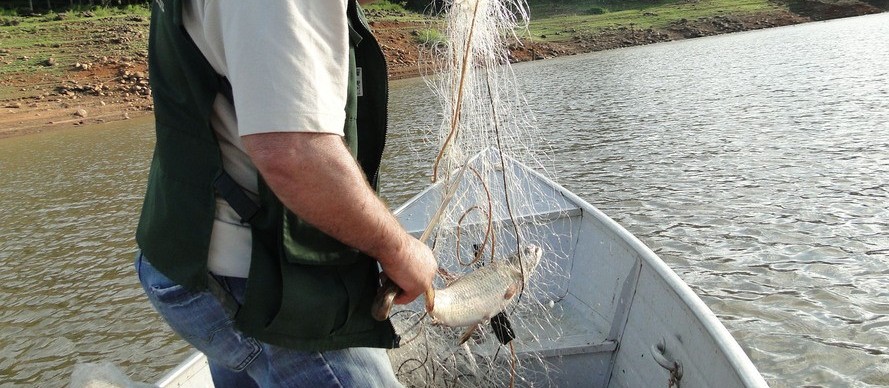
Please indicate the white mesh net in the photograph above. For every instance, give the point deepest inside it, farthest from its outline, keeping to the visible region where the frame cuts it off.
(495, 209)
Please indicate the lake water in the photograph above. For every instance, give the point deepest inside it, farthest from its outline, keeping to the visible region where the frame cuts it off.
(755, 164)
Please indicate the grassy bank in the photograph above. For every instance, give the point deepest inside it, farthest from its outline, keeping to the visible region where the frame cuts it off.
(50, 46)
(560, 21)
(88, 64)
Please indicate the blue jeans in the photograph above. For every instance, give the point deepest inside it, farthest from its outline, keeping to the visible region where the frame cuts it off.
(240, 361)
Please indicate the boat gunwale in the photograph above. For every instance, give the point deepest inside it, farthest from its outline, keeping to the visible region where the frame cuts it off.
(183, 367)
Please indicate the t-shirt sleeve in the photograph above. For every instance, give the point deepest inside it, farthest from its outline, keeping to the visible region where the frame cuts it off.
(288, 64)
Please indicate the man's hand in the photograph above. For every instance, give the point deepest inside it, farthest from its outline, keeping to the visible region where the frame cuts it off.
(413, 272)
(316, 177)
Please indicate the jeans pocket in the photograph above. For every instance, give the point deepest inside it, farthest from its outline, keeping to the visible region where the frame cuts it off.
(199, 318)
(172, 295)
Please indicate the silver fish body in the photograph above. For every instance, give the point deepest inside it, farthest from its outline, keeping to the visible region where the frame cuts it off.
(481, 294)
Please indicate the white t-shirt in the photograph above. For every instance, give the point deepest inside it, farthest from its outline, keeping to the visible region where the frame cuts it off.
(288, 63)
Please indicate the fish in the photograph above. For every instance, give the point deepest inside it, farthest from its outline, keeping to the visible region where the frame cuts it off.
(473, 298)
(481, 294)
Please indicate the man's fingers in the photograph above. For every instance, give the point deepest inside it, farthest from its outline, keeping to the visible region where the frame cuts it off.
(403, 298)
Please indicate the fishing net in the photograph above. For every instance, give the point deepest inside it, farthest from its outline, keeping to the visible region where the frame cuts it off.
(489, 209)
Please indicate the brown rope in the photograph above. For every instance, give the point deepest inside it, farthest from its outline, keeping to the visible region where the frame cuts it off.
(455, 118)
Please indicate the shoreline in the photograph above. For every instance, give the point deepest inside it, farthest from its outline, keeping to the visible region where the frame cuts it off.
(115, 88)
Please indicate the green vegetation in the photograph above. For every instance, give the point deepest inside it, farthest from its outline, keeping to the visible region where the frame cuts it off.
(26, 7)
(558, 19)
(14, 17)
(385, 5)
(102, 11)
(392, 10)
(28, 42)
(430, 37)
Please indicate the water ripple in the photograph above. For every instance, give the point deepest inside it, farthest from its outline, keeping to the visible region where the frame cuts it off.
(759, 174)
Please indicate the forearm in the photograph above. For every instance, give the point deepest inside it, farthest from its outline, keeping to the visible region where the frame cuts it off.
(316, 177)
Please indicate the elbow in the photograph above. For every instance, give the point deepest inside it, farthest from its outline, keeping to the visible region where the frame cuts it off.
(276, 155)
(286, 156)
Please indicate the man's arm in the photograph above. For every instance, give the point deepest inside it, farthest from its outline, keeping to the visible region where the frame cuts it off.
(317, 178)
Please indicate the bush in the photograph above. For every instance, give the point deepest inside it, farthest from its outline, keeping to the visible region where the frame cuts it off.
(5, 21)
(595, 11)
(9, 12)
(430, 37)
(423, 6)
(385, 5)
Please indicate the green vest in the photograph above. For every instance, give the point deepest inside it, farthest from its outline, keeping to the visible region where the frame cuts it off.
(305, 289)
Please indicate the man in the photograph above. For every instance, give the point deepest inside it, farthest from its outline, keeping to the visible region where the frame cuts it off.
(260, 235)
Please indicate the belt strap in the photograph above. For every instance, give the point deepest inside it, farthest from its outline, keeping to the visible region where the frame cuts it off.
(235, 196)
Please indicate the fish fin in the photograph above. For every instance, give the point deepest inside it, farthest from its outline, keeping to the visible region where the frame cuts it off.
(430, 300)
(468, 333)
(511, 291)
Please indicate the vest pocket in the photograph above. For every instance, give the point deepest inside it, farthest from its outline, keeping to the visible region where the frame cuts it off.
(314, 302)
(319, 302)
(318, 292)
